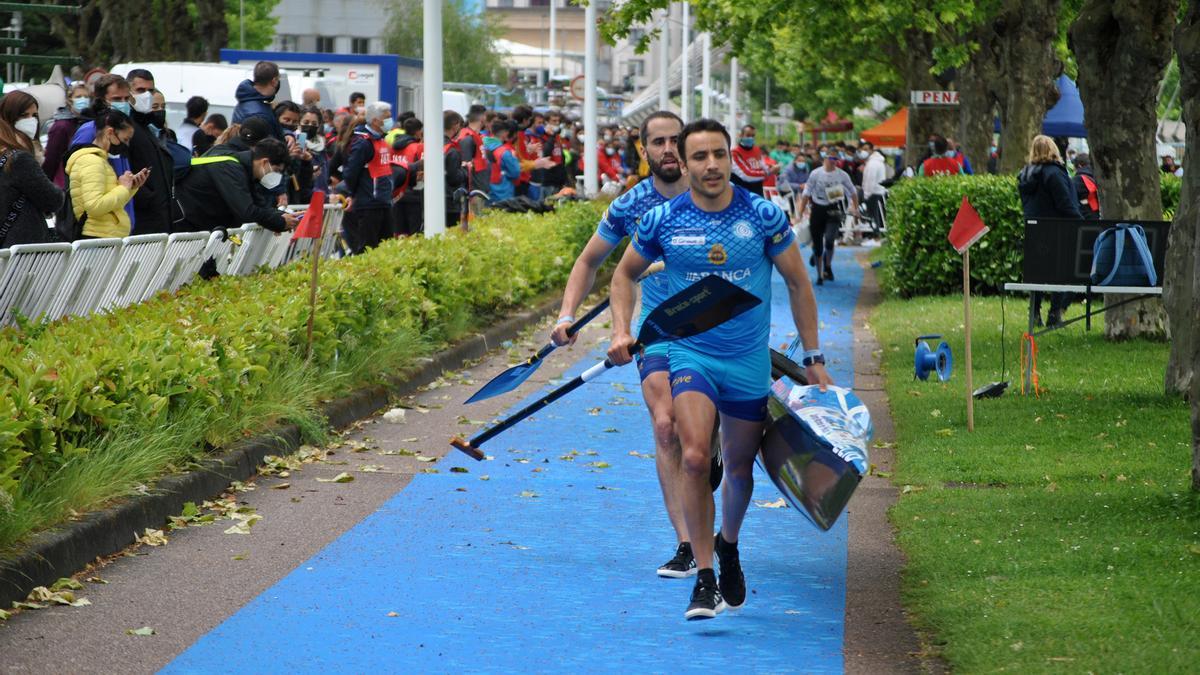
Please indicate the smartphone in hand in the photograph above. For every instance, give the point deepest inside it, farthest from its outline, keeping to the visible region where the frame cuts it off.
(301, 138)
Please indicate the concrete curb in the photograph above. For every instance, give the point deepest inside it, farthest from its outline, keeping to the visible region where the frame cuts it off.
(64, 551)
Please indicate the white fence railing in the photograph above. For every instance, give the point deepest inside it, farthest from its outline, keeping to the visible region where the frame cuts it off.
(50, 281)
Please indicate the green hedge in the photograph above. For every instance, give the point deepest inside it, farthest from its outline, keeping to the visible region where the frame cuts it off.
(920, 261)
(66, 388)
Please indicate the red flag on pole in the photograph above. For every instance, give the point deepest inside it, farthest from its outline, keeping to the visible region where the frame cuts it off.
(968, 227)
(310, 225)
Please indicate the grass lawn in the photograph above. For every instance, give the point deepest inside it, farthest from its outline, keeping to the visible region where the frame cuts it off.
(1061, 535)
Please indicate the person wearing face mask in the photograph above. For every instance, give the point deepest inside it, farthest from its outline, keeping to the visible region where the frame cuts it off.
(749, 162)
(470, 142)
(98, 194)
(26, 194)
(66, 123)
(555, 177)
(828, 188)
(297, 177)
(152, 203)
(109, 92)
(254, 98)
(609, 164)
(313, 175)
(197, 108)
(218, 192)
(367, 180)
(874, 175)
(796, 174)
(941, 161)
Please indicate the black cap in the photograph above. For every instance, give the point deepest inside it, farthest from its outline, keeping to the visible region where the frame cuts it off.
(254, 129)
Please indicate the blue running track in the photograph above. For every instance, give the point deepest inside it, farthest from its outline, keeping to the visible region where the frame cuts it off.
(488, 580)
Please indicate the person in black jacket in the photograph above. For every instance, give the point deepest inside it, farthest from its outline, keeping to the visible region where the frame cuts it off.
(456, 175)
(218, 191)
(152, 203)
(1046, 192)
(26, 194)
(367, 176)
(1086, 187)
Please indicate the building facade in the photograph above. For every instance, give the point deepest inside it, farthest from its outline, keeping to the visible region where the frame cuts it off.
(330, 26)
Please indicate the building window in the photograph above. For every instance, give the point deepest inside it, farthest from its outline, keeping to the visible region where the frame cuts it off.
(635, 35)
(325, 44)
(360, 46)
(637, 67)
(289, 43)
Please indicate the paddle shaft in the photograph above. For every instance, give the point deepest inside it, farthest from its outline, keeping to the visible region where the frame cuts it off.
(572, 330)
(508, 422)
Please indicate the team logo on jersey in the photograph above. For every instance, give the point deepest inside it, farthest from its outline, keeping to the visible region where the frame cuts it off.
(742, 230)
(778, 237)
(717, 255)
(689, 238)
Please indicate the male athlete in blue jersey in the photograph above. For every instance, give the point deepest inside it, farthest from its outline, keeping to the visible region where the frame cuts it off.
(660, 133)
(717, 228)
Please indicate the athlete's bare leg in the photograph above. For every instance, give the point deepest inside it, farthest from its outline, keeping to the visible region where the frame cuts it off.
(656, 389)
(740, 440)
(695, 415)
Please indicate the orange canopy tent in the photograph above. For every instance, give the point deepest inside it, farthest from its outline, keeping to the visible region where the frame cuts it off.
(891, 132)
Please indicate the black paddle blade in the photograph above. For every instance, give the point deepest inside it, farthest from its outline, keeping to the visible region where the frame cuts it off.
(702, 306)
(782, 366)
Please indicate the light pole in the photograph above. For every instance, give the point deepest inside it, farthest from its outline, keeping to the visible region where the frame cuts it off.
(553, 35)
(435, 162)
(664, 62)
(731, 121)
(706, 76)
(685, 93)
(591, 165)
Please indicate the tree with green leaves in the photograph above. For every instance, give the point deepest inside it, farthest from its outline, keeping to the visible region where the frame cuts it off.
(1187, 218)
(469, 41)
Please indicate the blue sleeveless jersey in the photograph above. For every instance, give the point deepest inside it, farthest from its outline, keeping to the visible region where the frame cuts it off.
(736, 243)
(621, 220)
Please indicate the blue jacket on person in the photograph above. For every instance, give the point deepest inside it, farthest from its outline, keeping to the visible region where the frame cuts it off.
(510, 171)
(368, 193)
(251, 103)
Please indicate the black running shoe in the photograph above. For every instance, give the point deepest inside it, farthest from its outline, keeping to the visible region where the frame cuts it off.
(733, 582)
(829, 272)
(706, 599)
(683, 565)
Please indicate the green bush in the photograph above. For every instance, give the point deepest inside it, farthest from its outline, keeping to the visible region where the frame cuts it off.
(920, 260)
(216, 352)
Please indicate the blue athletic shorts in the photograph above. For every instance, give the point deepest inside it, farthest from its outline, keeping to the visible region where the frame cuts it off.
(653, 359)
(737, 386)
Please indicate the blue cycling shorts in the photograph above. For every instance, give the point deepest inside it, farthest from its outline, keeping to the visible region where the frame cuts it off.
(737, 386)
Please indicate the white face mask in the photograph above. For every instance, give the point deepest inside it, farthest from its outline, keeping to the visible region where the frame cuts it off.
(143, 102)
(271, 180)
(27, 126)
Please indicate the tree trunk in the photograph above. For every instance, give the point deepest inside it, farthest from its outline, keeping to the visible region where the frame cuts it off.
(1181, 279)
(977, 97)
(1025, 32)
(922, 122)
(1122, 51)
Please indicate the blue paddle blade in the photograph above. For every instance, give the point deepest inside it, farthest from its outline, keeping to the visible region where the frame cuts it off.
(508, 380)
(704, 305)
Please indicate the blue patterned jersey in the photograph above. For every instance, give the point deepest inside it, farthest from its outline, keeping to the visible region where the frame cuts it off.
(621, 220)
(736, 243)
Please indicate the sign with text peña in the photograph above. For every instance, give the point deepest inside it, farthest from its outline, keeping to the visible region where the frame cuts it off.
(934, 98)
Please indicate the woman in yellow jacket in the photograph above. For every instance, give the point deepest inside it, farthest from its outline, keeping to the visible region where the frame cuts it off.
(95, 188)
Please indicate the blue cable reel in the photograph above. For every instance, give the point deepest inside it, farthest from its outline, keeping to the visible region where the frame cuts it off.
(925, 360)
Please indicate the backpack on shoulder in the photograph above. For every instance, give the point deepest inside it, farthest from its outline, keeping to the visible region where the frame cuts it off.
(1121, 257)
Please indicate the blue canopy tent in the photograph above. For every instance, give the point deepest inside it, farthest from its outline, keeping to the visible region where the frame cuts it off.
(1066, 117)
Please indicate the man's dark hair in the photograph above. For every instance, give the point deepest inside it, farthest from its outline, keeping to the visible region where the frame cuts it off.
(264, 72)
(357, 96)
(750, 127)
(218, 120)
(521, 113)
(1084, 160)
(450, 119)
(697, 126)
(940, 144)
(498, 127)
(286, 106)
(106, 82)
(201, 142)
(310, 110)
(412, 125)
(254, 130)
(139, 74)
(271, 148)
(658, 115)
(405, 116)
(197, 106)
(867, 144)
(476, 109)
(112, 119)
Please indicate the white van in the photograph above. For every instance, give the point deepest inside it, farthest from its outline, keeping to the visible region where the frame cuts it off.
(217, 82)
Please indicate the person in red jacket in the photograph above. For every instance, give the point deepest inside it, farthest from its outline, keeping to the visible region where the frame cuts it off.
(942, 163)
(609, 163)
(749, 162)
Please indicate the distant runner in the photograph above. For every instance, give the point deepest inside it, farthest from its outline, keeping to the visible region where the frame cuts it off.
(717, 228)
(659, 133)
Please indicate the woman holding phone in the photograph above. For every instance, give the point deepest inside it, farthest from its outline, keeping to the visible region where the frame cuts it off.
(98, 195)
